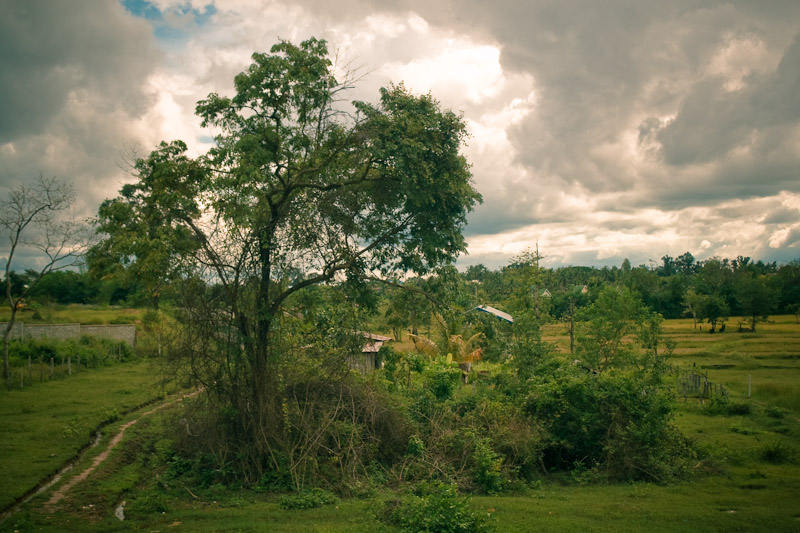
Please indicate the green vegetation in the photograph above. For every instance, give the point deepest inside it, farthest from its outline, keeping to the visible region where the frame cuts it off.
(741, 480)
(437, 509)
(45, 424)
(36, 216)
(33, 358)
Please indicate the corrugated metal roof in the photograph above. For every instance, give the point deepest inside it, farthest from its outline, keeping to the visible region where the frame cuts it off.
(375, 342)
(376, 337)
(496, 312)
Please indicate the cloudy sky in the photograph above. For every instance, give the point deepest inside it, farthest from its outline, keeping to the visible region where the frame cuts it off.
(601, 130)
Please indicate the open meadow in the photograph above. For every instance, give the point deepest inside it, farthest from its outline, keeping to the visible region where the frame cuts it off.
(746, 476)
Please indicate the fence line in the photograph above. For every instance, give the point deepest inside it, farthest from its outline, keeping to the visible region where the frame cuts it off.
(693, 385)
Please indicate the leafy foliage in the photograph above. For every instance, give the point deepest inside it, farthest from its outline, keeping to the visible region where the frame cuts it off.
(299, 192)
(307, 499)
(90, 351)
(441, 511)
(616, 423)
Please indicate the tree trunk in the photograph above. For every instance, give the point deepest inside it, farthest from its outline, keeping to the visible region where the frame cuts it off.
(6, 336)
(571, 327)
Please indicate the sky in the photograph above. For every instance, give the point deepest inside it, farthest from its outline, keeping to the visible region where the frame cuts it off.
(599, 131)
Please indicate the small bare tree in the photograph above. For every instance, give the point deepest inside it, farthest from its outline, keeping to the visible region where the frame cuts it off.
(36, 217)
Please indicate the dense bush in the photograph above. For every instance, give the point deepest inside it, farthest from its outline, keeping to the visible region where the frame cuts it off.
(442, 510)
(307, 499)
(722, 405)
(606, 416)
(778, 453)
(613, 423)
(338, 432)
(423, 424)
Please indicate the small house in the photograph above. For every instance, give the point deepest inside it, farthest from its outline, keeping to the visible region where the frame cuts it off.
(367, 361)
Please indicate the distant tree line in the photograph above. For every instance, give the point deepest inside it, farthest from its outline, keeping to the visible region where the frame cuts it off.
(710, 291)
(77, 287)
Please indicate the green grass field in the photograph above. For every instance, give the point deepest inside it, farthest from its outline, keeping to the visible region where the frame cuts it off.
(747, 476)
(75, 313)
(45, 424)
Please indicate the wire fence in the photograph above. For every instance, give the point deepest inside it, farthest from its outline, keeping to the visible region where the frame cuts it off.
(690, 384)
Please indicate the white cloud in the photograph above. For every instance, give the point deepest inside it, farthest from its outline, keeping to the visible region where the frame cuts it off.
(455, 70)
(741, 56)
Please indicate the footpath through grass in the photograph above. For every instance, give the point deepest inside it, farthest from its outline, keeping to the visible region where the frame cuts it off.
(45, 424)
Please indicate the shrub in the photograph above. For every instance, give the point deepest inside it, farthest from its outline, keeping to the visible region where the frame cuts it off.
(777, 453)
(147, 503)
(613, 422)
(775, 412)
(334, 433)
(739, 408)
(307, 499)
(722, 405)
(488, 468)
(91, 351)
(442, 379)
(443, 510)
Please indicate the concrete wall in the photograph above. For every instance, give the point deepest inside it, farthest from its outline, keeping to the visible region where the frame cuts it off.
(58, 332)
(118, 332)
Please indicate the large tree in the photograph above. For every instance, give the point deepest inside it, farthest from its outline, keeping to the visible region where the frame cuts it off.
(300, 189)
(755, 297)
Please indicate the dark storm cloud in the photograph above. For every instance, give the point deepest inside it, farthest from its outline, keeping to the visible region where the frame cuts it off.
(493, 218)
(611, 126)
(50, 49)
(713, 120)
(782, 215)
(605, 69)
(649, 120)
(73, 86)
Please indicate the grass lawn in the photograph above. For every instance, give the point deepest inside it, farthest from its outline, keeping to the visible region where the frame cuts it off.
(75, 313)
(45, 424)
(747, 475)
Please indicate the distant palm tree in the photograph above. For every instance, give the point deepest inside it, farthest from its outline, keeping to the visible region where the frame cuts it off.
(463, 352)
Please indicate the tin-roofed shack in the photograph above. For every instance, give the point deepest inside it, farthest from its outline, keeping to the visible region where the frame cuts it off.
(496, 312)
(367, 361)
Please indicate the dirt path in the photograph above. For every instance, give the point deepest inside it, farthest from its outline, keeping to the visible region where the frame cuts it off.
(59, 494)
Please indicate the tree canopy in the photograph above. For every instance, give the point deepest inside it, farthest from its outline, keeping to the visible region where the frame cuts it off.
(300, 189)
